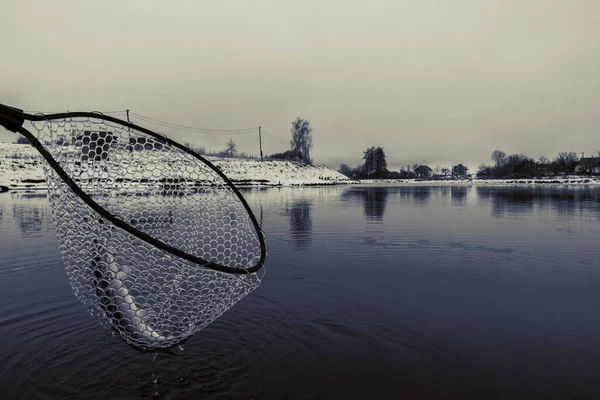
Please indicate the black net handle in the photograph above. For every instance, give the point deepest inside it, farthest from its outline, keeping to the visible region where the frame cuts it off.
(12, 119)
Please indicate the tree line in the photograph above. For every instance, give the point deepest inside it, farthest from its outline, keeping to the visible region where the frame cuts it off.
(375, 164)
(375, 167)
(230, 150)
(523, 166)
(504, 166)
(300, 146)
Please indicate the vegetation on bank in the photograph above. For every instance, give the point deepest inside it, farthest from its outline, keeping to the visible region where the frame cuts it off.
(514, 166)
(301, 144)
(375, 166)
(523, 166)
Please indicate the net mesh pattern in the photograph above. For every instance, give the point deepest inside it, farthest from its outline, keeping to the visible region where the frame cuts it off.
(150, 297)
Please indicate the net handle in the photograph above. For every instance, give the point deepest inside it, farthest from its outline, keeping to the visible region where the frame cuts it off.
(12, 119)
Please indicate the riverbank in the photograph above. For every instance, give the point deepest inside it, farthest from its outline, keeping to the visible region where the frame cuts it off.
(566, 180)
(21, 169)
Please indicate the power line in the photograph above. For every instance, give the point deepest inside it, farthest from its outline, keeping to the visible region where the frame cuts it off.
(194, 129)
(275, 138)
(114, 112)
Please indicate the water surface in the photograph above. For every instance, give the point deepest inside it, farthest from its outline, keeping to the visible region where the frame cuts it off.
(370, 292)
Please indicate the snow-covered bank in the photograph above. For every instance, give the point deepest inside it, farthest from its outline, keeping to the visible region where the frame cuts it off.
(567, 180)
(284, 173)
(21, 168)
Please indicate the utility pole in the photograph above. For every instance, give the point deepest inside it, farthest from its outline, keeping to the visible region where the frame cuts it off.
(260, 143)
(129, 130)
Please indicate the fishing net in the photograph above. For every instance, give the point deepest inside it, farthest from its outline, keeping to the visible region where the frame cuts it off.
(157, 242)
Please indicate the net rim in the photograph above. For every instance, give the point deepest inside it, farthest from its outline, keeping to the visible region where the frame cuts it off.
(122, 224)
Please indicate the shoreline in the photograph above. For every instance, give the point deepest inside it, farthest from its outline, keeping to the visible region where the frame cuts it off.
(21, 170)
(258, 183)
(563, 181)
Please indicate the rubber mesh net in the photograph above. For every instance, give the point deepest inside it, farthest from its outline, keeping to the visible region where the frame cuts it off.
(149, 297)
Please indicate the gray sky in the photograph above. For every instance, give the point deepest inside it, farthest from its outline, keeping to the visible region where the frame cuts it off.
(433, 82)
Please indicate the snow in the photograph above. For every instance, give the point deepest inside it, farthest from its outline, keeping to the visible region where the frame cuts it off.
(285, 173)
(21, 168)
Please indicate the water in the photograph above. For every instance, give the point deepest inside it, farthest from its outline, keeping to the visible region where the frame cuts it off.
(371, 292)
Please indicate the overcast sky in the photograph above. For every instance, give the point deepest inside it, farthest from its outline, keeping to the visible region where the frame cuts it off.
(432, 82)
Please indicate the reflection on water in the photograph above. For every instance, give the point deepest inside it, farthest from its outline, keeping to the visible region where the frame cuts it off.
(503, 200)
(519, 201)
(444, 191)
(459, 195)
(30, 213)
(370, 292)
(31, 219)
(300, 223)
(421, 194)
(516, 202)
(417, 195)
(373, 198)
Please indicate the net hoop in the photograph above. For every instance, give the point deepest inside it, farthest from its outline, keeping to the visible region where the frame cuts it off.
(124, 225)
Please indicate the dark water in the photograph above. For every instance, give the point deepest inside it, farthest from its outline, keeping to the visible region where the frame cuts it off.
(370, 293)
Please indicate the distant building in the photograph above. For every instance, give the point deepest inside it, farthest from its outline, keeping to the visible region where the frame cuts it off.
(588, 166)
(423, 171)
(546, 169)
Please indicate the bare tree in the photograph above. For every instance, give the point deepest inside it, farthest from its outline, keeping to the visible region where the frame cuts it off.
(438, 169)
(445, 171)
(484, 171)
(345, 169)
(301, 142)
(543, 160)
(498, 156)
(567, 160)
(198, 149)
(230, 148)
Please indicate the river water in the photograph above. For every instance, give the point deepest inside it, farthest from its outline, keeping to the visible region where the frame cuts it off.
(370, 293)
